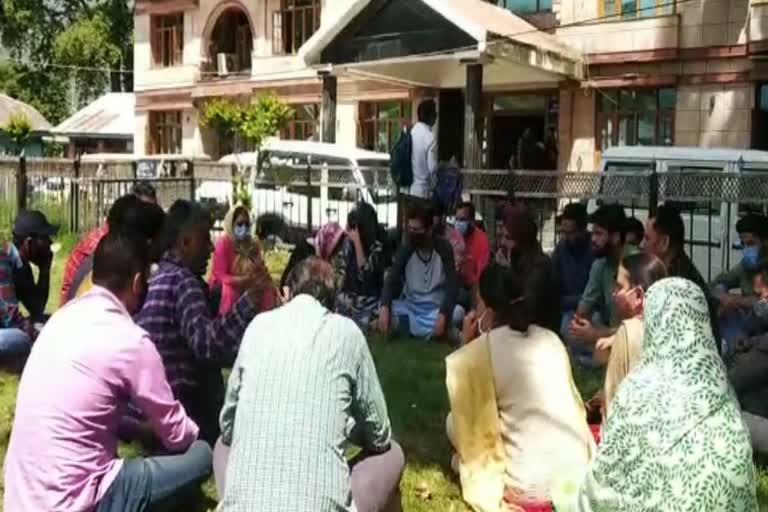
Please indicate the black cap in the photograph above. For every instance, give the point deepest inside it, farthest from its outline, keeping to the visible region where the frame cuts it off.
(753, 223)
(33, 223)
(610, 217)
(576, 212)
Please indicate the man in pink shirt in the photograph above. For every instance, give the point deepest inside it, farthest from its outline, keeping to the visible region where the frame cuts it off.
(62, 454)
(478, 249)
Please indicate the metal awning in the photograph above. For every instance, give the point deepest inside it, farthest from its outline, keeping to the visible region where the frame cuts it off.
(425, 42)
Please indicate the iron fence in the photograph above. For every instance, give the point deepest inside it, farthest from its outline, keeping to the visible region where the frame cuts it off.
(294, 200)
(711, 202)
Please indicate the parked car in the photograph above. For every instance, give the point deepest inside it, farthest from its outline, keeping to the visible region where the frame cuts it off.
(283, 183)
(710, 209)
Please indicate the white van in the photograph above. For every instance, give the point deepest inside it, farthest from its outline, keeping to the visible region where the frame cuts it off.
(280, 185)
(710, 224)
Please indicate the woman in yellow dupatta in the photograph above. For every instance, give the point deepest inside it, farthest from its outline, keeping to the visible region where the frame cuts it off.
(623, 350)
(517, 421)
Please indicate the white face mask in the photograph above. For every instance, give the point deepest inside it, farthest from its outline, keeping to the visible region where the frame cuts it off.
(241, 232)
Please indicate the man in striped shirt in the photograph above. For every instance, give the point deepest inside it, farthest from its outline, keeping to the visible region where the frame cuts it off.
(304, 387)
(195, 344)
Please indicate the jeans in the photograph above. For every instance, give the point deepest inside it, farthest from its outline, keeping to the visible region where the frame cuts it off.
(156, 483)
(14, 343)
(374, 478)
(418, 320)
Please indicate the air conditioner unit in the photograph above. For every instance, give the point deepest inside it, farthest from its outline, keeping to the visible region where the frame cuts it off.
(226, 63)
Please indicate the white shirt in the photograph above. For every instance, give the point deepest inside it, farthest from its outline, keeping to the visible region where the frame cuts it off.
(423, 160)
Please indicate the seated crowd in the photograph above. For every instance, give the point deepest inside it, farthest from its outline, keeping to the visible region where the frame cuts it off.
(148, 335)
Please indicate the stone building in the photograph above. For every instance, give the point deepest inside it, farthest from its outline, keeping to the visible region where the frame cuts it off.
(569, 76)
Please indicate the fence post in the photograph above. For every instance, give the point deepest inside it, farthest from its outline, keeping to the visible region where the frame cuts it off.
(192, 188)
(512, 187)
(233, 181)
(653, 191)
(74, 193)
(309, 197)
(21, 184)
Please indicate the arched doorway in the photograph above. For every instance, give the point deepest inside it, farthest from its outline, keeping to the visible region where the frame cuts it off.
(230, 42)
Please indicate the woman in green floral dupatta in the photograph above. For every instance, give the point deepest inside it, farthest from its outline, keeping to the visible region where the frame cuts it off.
(674, 440)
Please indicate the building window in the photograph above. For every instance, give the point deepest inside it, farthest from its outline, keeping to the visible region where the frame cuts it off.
(293, 24)
(167, 40)
(303, 123)
(525, 6)
(165, 132)
(636, 117)
(633, 9)
(381, 123)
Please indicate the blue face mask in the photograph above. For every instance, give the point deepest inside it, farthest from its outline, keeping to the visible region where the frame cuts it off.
(760, 309)
(241, 232)
(751, 256)
(462, 226)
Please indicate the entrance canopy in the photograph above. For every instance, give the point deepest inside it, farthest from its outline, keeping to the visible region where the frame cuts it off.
(425, 42)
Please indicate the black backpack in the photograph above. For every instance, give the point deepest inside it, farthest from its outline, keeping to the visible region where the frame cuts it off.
(400, 167)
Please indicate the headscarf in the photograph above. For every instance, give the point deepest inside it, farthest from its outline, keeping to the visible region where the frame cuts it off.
(246, 249)
(674, 439)
(229, 220)
(326, 239)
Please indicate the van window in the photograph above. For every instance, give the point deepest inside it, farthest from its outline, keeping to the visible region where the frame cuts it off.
(375, 173)
(753, 207)
(339, 175)
(279, 168)
(630, 189)
(674, 186)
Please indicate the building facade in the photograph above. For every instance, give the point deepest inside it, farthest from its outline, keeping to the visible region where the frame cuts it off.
(527, 83)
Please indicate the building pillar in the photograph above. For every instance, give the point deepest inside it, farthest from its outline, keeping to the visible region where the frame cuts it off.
(328, 108)
(473, 117)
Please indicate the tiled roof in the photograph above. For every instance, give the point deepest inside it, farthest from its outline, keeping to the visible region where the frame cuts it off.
(111, 115)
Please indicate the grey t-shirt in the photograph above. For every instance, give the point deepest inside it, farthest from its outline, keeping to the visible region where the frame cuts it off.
(425, 279)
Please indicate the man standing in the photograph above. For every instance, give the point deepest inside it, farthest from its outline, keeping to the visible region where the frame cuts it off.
(478, 249)
(424, 151)
(194, 343)
(89, 362)
(608, 234)
(572, 261)
(423, 268)
(298, 394)
(32, 244)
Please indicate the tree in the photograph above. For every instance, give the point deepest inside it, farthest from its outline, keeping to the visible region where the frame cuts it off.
(224, 117)
(87, 44)
(263, 117)
(249, 124)
(29, 31)
(18, 129)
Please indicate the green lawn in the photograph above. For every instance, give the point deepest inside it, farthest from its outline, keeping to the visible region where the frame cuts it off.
(413, 377)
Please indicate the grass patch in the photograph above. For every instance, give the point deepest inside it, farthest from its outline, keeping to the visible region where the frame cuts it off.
(413, 377)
